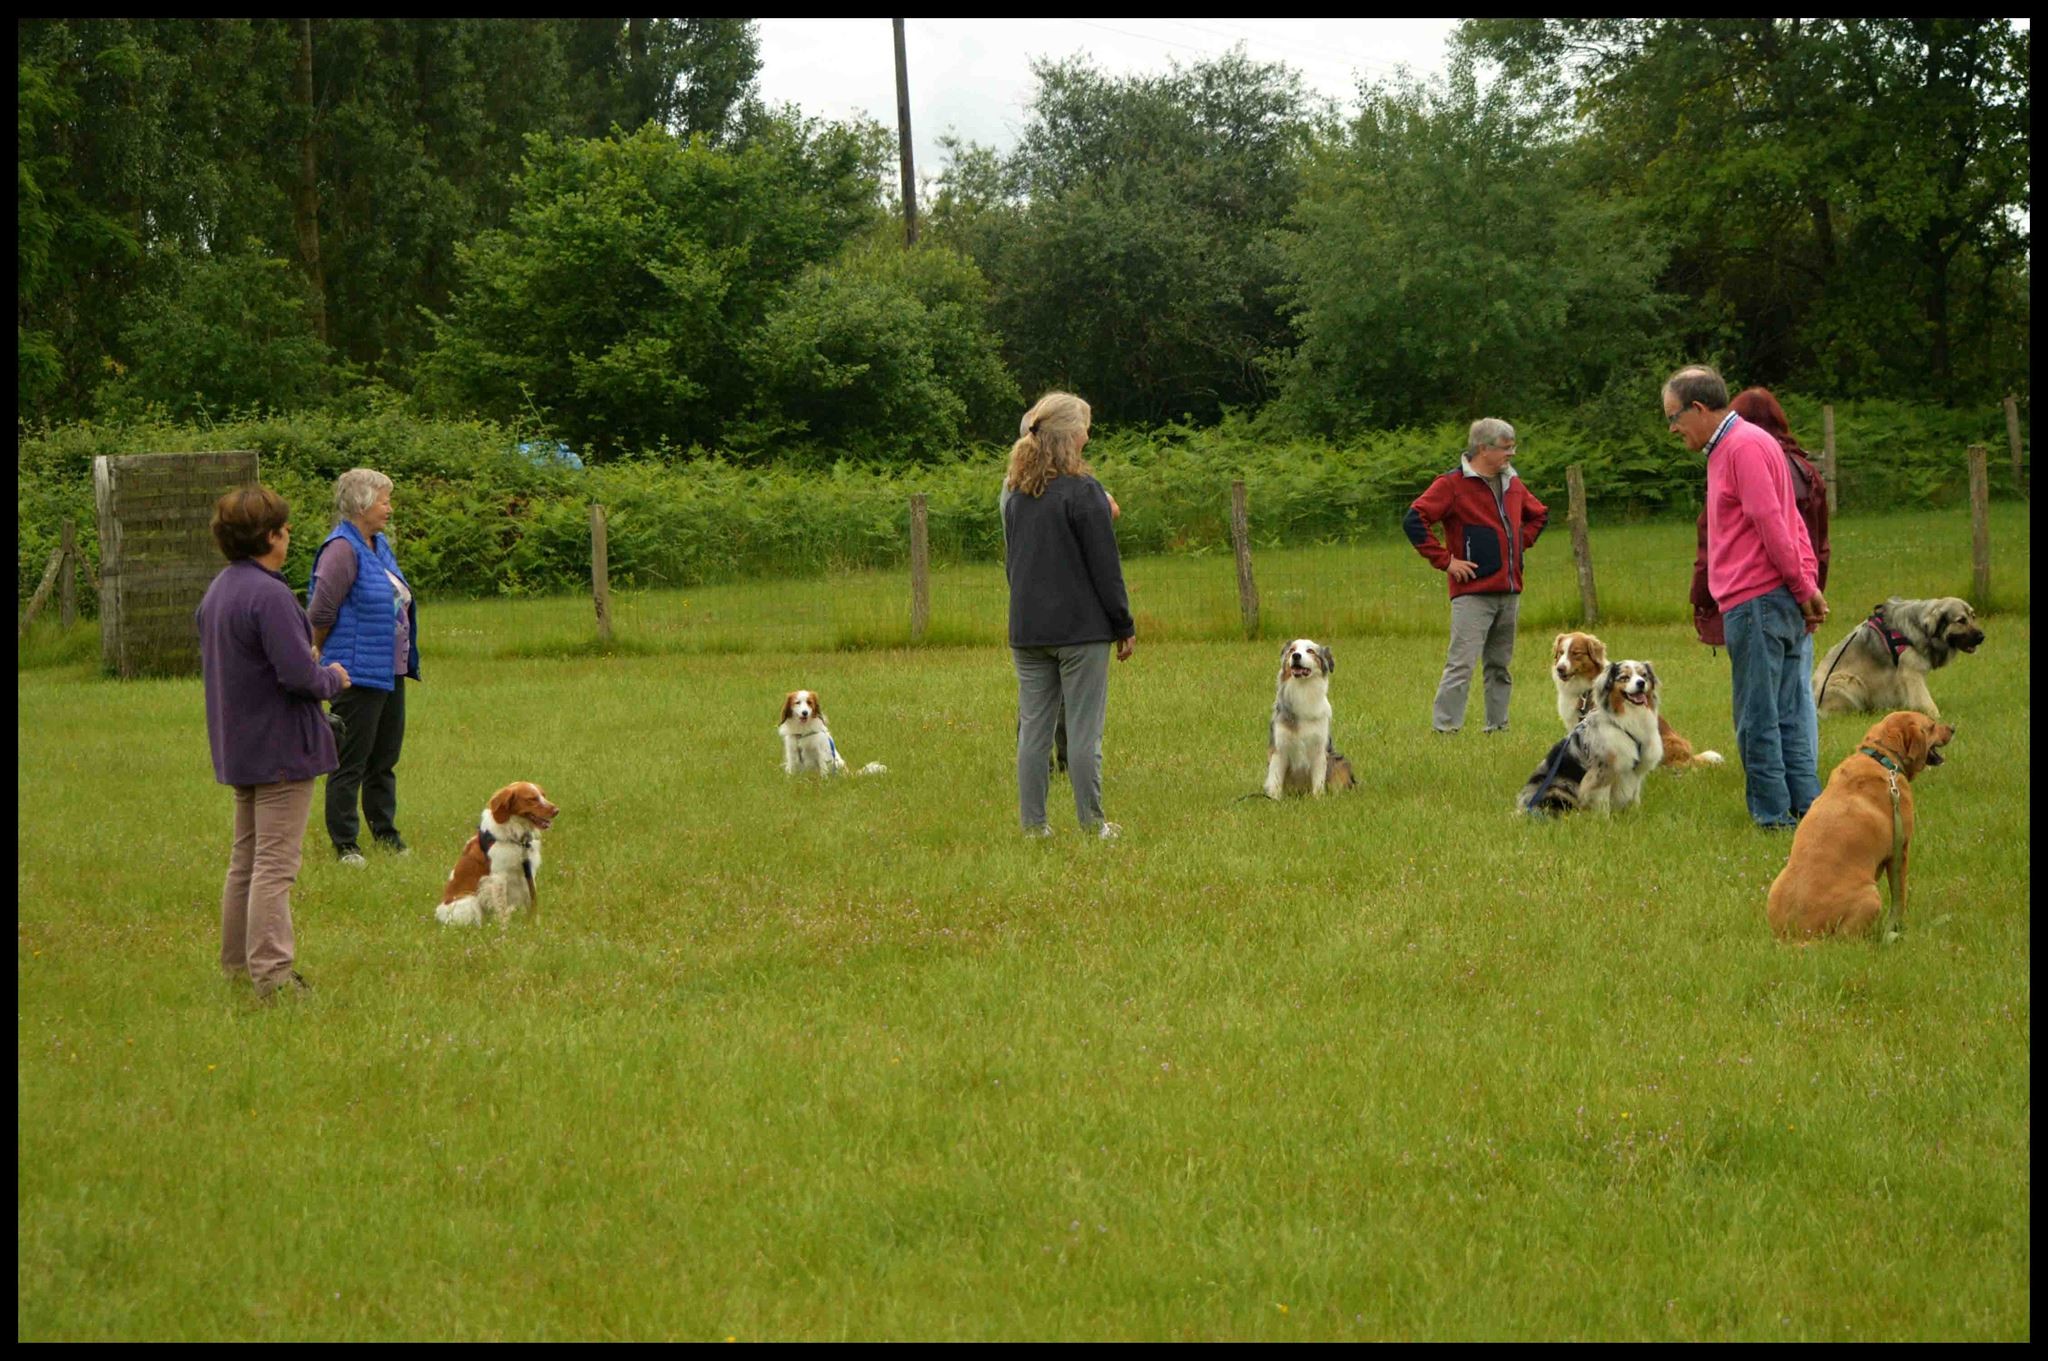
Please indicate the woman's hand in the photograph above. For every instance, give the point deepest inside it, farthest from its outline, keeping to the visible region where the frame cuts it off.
(1125, 647)
(338, 669)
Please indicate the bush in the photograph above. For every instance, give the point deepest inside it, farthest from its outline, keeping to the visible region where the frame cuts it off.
(474, 518)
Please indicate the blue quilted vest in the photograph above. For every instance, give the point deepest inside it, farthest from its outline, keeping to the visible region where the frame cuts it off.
(361, 638)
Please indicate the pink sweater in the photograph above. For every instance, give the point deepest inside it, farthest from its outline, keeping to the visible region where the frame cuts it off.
(1756, 541)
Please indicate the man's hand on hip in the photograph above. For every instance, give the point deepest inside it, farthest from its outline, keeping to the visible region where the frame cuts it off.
(1461, 570)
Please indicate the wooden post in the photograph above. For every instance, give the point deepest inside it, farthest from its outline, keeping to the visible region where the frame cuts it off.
(601, 574)
(42, 595)
(1827, 453)
(903, 139)
(2012, 437)
(1582, 547)
(67, 577)
(1980, 528)
(920, 570)
(1241, 544)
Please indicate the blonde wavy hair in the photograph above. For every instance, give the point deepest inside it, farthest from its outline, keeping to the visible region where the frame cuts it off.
(1049, 444)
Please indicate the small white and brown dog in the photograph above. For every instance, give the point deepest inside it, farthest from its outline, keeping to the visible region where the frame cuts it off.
(1300, 757)
(1601, 763)
(494, 876)
(1576, 662)
(807, 744)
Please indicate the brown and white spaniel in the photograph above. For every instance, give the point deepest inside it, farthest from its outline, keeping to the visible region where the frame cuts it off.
(494, 876)
(807, 743)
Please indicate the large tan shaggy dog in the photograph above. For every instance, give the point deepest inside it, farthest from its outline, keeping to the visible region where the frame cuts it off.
(1844, 843)
(1883, 663)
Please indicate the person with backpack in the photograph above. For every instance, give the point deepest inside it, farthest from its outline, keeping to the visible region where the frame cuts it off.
(1760, 408)
(1762, 575)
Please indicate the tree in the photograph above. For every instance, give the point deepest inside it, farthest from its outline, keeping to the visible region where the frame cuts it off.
(1836, 188)
(882, 354)
(620, 295)
(1125, 240)
(1449, 257)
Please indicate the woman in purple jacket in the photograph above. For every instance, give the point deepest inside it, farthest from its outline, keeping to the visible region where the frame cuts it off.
(270, 739)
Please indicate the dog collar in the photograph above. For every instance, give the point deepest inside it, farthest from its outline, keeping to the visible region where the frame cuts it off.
(1893, 639)
(1874, 754)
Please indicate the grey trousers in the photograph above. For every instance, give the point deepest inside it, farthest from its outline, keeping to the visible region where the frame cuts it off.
(1045, 676)
(1482, 628)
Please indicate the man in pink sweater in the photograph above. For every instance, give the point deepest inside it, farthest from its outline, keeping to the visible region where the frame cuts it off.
(1762, 574)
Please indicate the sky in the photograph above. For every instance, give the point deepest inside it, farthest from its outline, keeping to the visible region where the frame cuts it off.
(972, 77)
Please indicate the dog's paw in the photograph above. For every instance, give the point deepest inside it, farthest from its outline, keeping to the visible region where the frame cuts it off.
(874, 768)
(1709, 758)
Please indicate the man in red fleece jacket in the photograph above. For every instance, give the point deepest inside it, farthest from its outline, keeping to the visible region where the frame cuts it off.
(1490, 519)
(1761, 571)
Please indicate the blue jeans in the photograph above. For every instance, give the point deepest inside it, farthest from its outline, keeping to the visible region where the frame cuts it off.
(1776, 728)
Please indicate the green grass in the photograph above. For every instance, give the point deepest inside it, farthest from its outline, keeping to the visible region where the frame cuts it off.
(854, 1060)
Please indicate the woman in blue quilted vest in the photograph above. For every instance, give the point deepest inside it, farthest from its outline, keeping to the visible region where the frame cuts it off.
(364, 617)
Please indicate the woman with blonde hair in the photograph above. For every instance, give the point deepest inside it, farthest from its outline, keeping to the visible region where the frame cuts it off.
(1067, 606)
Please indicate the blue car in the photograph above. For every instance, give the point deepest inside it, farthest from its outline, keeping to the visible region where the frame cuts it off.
(543, 454)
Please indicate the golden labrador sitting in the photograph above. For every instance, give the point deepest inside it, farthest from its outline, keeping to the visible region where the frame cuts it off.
(1843, 845)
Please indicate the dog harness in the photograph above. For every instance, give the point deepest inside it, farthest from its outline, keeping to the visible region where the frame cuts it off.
(485, 841)
(1893, 639)
(1895, 917)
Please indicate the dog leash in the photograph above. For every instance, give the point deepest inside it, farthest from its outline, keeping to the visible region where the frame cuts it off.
(1895, 916)
(1535, 810)
(485, 839)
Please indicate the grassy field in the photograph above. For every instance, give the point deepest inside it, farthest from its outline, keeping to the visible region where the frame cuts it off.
(853, 1059)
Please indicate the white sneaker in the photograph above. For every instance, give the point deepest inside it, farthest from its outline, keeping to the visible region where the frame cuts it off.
(1038, 833)
(353, 858)
(1110, 831)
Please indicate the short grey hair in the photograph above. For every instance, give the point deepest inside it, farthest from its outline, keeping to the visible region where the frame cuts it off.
(356, 490)
(1488, 432)
(1698, 383)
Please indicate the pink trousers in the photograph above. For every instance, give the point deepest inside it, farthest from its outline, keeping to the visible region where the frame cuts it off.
(256, 902)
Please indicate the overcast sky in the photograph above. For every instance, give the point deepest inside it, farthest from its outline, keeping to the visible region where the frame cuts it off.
(972, 77)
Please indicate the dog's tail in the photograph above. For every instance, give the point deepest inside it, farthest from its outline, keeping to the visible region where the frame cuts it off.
(873, 768)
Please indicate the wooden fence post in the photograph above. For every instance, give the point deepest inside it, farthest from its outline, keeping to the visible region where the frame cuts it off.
(42, 595)
(67, 577)
(1980, 528)
(920, 570)
(1241, 545)
(601, 574)
(1582, 547)
(2012, 437)
(1827, 453)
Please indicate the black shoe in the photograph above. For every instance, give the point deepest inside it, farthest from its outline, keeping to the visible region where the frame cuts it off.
(394, 844)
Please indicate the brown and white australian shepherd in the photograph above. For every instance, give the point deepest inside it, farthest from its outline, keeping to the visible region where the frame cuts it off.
(1576, 662)
(495, 874)
(807, 743)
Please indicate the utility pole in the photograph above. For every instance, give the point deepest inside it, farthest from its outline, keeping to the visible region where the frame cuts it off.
(903, 133)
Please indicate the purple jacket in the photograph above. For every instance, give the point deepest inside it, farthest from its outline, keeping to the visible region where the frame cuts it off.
(263, 685)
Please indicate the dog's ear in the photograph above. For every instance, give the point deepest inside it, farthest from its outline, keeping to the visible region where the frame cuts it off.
(1329, 660)
(504, 804)
(1597, 649)
(1650, 675)
(817, 705)
(788, 704)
